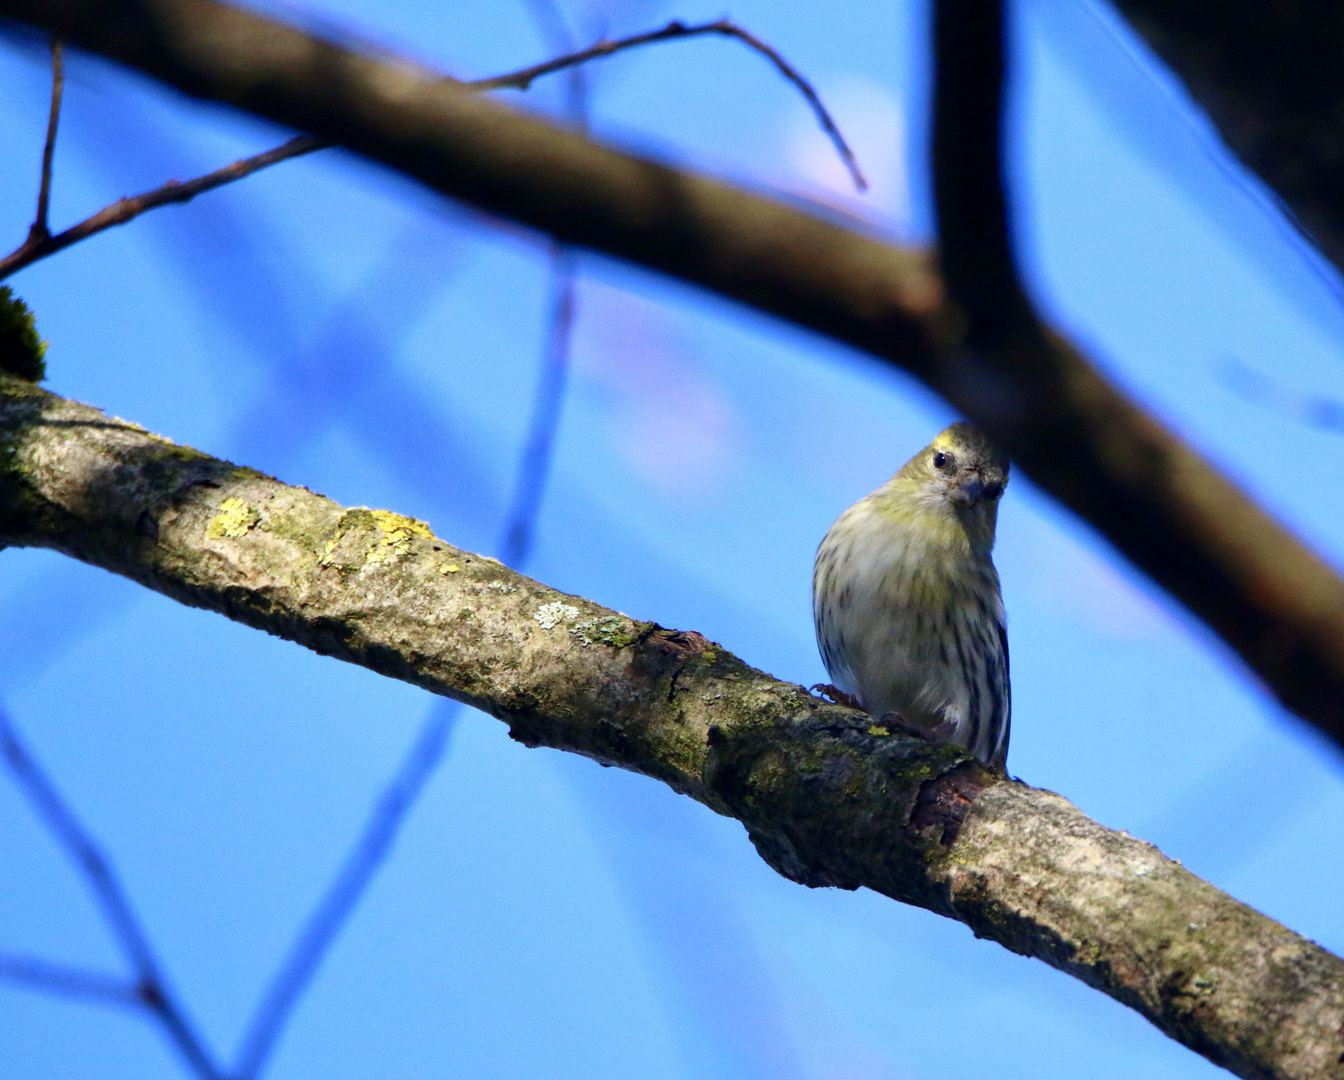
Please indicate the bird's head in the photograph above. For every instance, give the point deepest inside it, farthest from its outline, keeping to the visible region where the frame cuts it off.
(963, 466)
(959, 476)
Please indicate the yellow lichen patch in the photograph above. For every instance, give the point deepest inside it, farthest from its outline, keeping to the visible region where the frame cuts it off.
(449, 568)
(390, 522)
(397, 530)
(878, 729)
(235, 517)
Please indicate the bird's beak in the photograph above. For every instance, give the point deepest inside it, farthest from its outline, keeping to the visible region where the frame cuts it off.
(968, 489)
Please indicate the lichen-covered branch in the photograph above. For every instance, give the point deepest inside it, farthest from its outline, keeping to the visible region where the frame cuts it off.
(1076, 434)
(826, 797)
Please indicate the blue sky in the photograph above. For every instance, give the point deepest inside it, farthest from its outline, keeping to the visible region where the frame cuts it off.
(542, 917)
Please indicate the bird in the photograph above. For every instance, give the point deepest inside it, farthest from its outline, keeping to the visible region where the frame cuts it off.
(909, 615)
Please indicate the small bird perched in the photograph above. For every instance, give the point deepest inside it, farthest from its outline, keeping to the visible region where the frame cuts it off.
(906, 599)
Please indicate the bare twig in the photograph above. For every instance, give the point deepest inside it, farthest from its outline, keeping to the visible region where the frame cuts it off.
(534, 466)
(124, 210)
(150, 988)
(40, 243)
(39, 231)
(675, 30)
(69, 981)
(332, 913)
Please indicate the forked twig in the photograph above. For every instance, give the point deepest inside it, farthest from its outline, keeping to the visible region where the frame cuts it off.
(676, 30)
(123, 210)
(149, 989)
(333, 911)
(39, 229)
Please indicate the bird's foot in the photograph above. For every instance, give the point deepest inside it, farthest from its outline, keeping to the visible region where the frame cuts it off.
(832, 694)
(937, 735)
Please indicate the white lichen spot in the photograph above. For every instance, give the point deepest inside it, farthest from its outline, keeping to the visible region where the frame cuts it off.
(549, 616)
(500, 586)
(234, 519)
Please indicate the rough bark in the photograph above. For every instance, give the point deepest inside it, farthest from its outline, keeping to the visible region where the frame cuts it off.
(1270, 78)
(1078, 436)
(826, 797)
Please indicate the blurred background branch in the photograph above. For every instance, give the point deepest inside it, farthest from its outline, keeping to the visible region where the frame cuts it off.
(149, 988)
(1269, 78)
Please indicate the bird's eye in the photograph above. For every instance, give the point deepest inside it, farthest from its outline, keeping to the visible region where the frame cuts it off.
(939, 460)
(993, 491)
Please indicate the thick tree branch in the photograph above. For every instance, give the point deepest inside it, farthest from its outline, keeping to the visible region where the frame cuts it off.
(1072, 431)
(1271, 79)
(825, 799)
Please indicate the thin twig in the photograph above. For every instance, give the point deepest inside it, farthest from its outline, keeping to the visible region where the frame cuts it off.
(69, 981)
(675, 30)
(39, 230)
(534, 465)
(332, 913)
(40, 243)
(150, 988)
(124, 210)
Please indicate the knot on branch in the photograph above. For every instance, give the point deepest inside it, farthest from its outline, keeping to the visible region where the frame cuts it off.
(944, 801)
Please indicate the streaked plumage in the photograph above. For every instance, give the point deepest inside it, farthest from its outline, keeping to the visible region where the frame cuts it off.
(906, 598)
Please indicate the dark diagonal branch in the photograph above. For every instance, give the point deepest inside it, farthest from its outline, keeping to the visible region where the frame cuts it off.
(39, 231)
(826, 798)
(676, 30)
(1271, 79)
(124, 210)
(1076, 434)
(150, 989)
